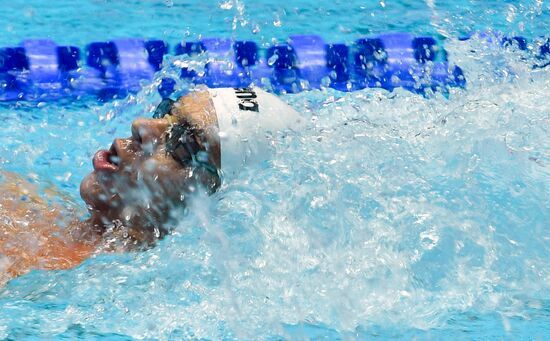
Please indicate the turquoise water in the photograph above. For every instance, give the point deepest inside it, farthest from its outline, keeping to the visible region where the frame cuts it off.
(69, 22)
(391, 216)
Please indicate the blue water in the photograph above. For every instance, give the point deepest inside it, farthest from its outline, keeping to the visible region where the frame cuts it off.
(391, 216)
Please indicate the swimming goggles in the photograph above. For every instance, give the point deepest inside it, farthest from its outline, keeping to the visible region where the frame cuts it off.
(182, 142)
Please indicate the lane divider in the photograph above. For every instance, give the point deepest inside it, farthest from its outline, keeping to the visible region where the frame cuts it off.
(41, 70)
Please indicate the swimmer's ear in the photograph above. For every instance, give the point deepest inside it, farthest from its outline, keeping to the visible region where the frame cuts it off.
(164, 108)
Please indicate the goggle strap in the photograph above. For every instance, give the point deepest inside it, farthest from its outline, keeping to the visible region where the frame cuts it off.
(164, 108)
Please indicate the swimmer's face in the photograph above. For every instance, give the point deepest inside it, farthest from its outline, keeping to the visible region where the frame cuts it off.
(142, 177)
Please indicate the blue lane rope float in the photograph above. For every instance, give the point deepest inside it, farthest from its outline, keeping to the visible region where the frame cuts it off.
(41, 70)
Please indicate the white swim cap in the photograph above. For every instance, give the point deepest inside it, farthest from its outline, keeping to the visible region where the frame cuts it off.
(248, 118)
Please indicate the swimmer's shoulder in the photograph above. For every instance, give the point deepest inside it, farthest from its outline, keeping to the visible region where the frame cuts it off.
(26, 208)
(16, 189)
(30, 237)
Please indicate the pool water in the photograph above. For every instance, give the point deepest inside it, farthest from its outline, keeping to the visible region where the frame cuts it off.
(392, 215)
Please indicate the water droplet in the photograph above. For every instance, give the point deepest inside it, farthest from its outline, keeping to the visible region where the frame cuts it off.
(226, 5)
(511, 14)
(272, 59)
(277, 21)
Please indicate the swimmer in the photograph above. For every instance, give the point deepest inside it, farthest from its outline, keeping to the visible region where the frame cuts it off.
(189, 146)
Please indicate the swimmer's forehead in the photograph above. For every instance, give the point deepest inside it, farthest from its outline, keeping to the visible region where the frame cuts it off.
(195, 108)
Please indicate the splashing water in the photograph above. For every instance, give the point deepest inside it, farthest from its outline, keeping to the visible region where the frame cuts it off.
(390, 214)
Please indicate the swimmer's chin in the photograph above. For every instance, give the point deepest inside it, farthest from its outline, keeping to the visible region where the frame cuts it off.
(93, 193)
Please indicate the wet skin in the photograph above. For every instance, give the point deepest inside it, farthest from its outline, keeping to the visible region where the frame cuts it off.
(130, 195)
(137, 182)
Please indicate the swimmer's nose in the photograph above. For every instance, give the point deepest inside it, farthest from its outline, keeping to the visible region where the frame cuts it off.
(148, 131)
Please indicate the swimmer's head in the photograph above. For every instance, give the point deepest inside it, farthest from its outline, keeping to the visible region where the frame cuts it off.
(141, 179)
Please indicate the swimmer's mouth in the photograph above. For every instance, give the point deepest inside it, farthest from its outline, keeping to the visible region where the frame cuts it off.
(106, 160)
